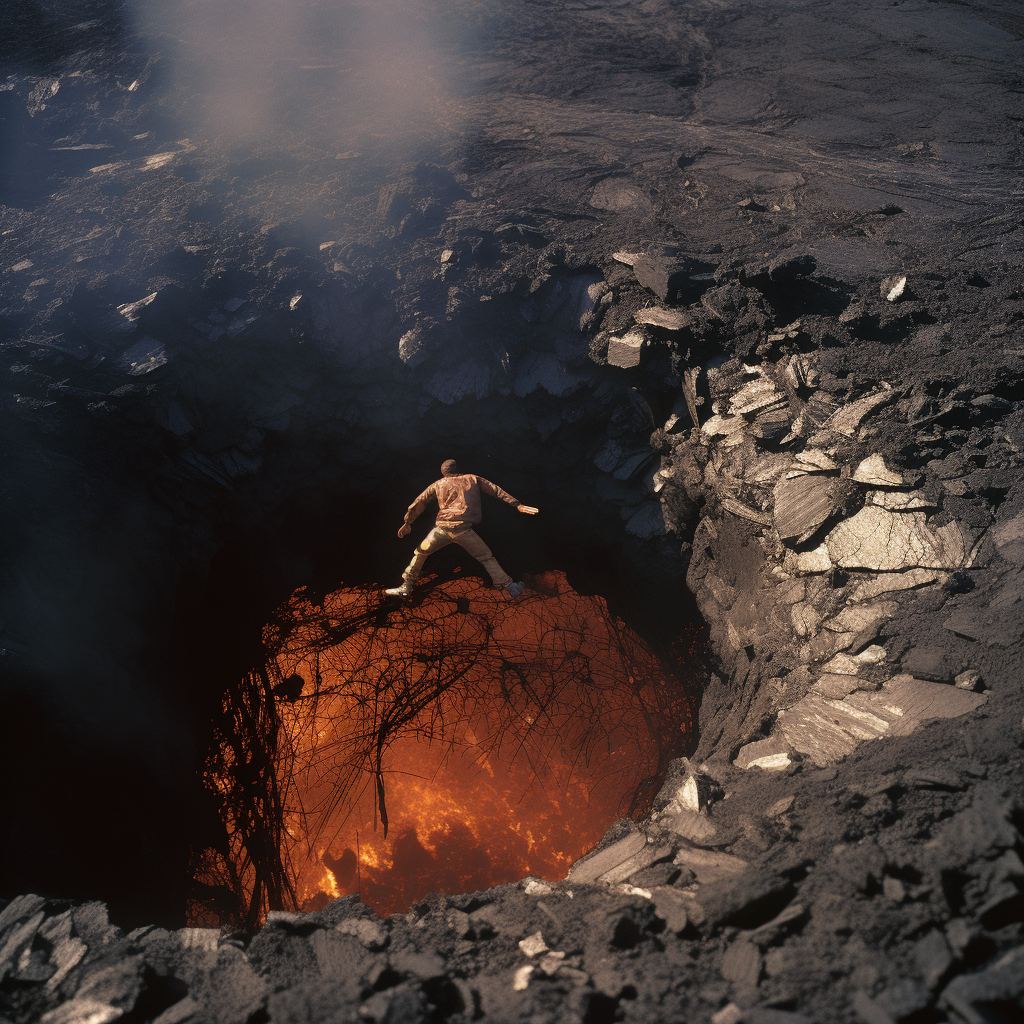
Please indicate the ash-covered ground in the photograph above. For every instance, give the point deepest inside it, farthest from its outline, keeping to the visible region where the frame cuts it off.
(732, 292)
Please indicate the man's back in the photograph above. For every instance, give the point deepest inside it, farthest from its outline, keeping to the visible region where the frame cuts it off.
(458, 498)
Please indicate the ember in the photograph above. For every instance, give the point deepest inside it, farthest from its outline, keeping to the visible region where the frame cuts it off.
(457, 742)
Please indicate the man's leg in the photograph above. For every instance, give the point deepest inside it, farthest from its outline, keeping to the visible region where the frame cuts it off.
(472, 542)
(434, 541)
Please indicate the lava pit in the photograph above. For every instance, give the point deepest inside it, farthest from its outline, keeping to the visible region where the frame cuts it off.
(451, 743)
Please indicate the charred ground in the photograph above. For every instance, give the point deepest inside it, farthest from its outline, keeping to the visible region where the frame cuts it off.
(259, 279)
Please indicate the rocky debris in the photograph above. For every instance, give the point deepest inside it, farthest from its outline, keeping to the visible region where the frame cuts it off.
(847, 506)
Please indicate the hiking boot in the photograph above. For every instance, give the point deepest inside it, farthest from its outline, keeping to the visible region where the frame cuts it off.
(405, 590)
(515, 589)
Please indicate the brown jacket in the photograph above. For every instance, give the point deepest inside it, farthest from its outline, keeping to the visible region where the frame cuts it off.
(459, 500)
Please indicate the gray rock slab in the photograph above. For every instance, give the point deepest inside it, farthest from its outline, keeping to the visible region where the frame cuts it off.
(650, 854)
(661, 275)
(82, 1011)
(1001, 982)
(771, 753)
(672, 907)
(19, 909)
(742, 966)
(591, 868)
(710, 866)
(625, 351)
(916, 701)
(667, 319)
(691, 825)
(802, 504)
(876, 538)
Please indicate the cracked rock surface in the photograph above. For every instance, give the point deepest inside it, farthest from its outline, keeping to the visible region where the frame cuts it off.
(732, 292)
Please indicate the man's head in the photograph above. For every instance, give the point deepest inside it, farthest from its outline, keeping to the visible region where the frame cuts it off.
(448, 468)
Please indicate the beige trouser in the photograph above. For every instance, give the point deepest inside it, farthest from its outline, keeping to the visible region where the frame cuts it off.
(468, 539)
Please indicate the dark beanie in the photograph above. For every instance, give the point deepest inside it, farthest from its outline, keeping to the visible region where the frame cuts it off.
(448, 467)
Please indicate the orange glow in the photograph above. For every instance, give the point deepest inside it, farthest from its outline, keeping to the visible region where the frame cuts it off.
(497, 739)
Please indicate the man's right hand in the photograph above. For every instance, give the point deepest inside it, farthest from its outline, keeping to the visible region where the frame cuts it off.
(405, 530)
(528, 509)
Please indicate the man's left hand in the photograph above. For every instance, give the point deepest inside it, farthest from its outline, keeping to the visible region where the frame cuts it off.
(405, 530)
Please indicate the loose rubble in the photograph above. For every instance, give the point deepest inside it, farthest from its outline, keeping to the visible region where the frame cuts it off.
(781, 373)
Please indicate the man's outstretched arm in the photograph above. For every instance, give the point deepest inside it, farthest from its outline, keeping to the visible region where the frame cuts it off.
(496, 492)
(415, 509)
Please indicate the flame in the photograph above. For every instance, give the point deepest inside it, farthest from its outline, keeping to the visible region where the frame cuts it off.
(493, 739)
(516, 768)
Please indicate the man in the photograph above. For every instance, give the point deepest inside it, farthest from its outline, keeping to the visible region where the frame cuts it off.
(458, 499)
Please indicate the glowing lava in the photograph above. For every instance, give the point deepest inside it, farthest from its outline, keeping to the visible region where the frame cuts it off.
(461, 741)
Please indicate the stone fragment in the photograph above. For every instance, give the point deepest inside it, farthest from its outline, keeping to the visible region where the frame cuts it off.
(685, 790)
(805, 618)
(536, 887)
(671, 906)
(968, 680)
(144, 357)
(1008, 538)
(1000, 983)
(624, 351)
(371, 933)
(892, 582)
(771, 754)
(182, 1011)
(873, 470)
(66, 955)
(935, 778)
(414, 347)
(668, 319)
(82, 1011)
(814, 459)
(847, 418)
(780, 807)
(729, 1014)
(592, 867)
(893, 287)
(690, 825)
(644, 858)
(133, 310)
(817, 560)
(787, 920)
(737, 508)
(912, 701)
(878, 539)
(742, 965)
(710, 866)
(533, 944)
(18, 939)
(836, 686)
(19, 909)
(851, 664)
(521, 979)
(898, 501)
(802, 504)
(661, 275)
(827, 730)
(894, 889)
(544, 370)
